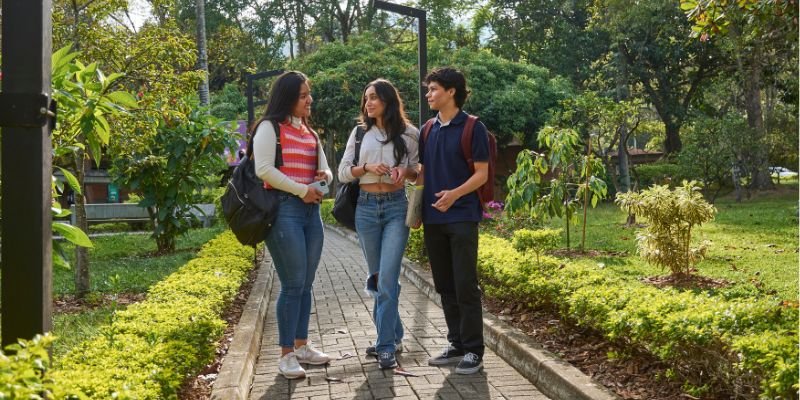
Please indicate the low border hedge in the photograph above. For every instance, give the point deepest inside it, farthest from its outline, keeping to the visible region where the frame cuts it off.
(745, 347)
(151, 347)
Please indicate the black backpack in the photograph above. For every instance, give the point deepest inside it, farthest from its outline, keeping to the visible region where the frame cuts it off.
(250, 209)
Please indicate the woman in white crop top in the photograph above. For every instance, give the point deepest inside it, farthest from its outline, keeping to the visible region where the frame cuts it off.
(388, 156)
(295, 240)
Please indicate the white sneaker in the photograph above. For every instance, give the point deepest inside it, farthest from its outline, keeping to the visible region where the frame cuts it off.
(309, 355)
(290, 368)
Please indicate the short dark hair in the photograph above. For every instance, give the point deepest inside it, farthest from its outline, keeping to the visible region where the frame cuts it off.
(450, 78)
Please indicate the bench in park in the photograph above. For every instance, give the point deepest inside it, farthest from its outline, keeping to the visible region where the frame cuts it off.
(130, 212)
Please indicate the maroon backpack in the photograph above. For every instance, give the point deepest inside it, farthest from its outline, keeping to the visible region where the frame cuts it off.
(486, 191)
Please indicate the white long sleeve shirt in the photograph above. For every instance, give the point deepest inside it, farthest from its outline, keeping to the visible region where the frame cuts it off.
(373, 150)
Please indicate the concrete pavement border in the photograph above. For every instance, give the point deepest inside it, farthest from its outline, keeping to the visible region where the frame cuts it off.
(238, 366)
(554, 377)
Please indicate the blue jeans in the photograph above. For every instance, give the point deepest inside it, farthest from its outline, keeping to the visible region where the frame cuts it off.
(295, 244)
(382, 231)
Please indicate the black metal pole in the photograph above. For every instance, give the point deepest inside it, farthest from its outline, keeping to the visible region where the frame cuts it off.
(422, 47)
(26, 170)
(422, 50)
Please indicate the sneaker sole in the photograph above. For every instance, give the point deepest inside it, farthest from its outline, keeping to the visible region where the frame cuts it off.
(293, 376)
(388, 367)
(451, 360)
(375, 354)
(469, 371)
(309, 362)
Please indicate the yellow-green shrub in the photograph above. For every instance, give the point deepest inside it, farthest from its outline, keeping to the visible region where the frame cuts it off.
(22, 373)
(729, 345)
(149, 348)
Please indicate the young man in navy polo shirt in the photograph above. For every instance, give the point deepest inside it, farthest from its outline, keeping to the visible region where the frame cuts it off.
(451, 213)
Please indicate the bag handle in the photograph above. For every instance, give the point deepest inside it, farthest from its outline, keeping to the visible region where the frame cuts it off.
(359, 137)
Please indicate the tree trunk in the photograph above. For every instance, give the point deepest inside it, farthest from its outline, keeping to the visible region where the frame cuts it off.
(759, 159)
(81, 253)
(623, 166)
(202, 57)
(672, 143)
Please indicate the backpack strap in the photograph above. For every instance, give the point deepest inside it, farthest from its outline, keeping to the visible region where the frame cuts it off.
(426, 129)
(359, 137)
(278, 151)
(466, 140)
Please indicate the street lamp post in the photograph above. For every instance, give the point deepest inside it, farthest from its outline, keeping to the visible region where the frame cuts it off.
(26, 118)
(422, 47)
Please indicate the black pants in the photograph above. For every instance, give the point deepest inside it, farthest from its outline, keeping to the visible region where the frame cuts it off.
(453, 252)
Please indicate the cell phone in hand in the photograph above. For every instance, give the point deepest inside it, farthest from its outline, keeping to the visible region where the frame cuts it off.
(322, 186)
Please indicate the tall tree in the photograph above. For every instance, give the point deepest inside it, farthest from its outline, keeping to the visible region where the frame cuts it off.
(653, 39)
(760, 33)
(555, 34)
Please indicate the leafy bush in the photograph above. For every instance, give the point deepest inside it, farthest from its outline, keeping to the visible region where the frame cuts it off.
(149, 348)
(672, 215)
(325, 209)
(415, 249)
(22, 373)
(538, 241)
(741, 346)
(661, 173)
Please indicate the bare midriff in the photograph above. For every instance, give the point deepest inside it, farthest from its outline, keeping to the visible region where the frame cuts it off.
(380, 187)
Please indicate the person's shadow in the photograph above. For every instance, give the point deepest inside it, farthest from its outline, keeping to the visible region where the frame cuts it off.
(474, 386)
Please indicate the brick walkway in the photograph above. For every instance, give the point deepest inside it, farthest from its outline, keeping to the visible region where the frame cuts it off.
(341, 324)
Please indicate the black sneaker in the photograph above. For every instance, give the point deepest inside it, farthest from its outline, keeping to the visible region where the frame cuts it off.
(471, 364)
(449, 355)
(387, 360)
(372, 351)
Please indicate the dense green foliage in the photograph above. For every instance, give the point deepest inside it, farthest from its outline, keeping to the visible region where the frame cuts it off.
(183, 157)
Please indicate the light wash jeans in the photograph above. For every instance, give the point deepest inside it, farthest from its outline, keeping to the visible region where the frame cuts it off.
(380, 223)
(295, 244)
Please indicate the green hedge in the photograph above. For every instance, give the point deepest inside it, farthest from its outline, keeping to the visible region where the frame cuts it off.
(150, 348)
(745, 346)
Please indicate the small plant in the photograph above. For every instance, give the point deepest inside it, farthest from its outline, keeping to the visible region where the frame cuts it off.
(538, 241)
(672, 215)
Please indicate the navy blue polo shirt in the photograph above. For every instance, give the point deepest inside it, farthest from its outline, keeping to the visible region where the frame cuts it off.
(446, 168)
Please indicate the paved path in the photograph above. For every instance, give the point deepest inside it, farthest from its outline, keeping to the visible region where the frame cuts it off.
(341, 324)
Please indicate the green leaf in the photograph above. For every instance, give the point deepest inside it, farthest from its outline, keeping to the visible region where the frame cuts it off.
(124, 99)
(71, 180)
(72, 234)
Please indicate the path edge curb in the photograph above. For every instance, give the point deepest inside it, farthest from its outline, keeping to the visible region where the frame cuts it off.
(554, 377)
(238, 366)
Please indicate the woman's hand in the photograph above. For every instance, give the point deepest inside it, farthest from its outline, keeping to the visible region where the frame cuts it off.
(398, 174)
(321, 176)
(312, 196)
(377, 169)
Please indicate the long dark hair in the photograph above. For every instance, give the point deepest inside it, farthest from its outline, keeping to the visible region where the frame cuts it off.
(394, 117)
(283, 95)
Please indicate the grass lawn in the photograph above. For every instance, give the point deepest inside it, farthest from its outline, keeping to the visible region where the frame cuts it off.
(130, 257)
(754, 244)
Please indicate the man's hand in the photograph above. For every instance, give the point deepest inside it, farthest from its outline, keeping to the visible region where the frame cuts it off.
(446, 200)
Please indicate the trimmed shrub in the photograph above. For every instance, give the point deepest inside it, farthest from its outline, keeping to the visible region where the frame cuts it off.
(537, 241)
(149, 348)
(746, 347)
